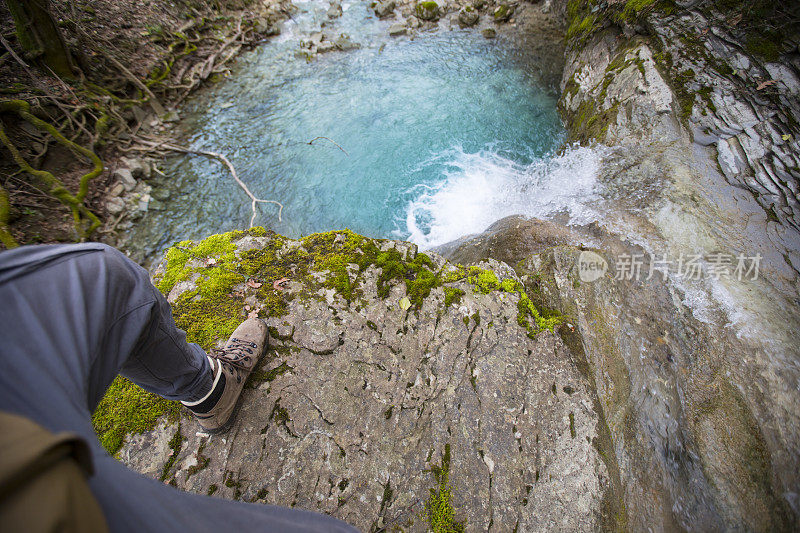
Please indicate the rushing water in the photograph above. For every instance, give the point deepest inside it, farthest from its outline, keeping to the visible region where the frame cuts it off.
(440, 136)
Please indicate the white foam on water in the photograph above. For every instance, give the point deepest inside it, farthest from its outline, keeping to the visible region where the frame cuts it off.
(478, 189)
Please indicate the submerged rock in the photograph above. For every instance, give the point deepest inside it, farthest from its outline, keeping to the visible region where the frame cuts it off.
(489, 33)
(344, 43)
(467, 16)
(335, 11)
(397, 29)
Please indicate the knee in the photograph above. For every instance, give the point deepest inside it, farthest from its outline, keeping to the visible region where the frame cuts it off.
(109, 263)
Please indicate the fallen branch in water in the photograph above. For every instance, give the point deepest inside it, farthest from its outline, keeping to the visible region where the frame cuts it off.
(221, 157)
(331, 140)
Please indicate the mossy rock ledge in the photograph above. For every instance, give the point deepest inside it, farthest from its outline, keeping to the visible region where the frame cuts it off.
(398, 389)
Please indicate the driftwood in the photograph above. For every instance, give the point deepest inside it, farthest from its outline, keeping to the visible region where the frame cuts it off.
(253, 199)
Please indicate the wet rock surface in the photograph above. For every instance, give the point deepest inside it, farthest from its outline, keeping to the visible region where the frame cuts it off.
(356, 401)
(699, 124)
(691, 414)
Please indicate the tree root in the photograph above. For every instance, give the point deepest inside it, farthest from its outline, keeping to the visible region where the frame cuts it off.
(5, 235)
(253, 199)
(85, 221)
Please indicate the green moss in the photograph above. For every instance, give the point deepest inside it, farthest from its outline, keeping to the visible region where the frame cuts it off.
(126, 408)
(705, 94)
(587, 124)
(175, 445)
(259, 376)
(236, 485)
(528, 316)
(685, 97)
(763, 47)
(427, 10)
(582, 28)
(439, 511)
(455, 275)
(502, 12)
(633, 8)
(476, 317)
(212, 489)
(485, 281)
(202, 460)
(452, 295)
(387, 497)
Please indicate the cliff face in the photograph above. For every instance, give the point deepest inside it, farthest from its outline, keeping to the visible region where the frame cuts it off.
(389, 374)
(723, 75)
(698, 102)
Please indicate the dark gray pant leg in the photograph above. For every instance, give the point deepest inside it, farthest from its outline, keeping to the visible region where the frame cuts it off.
(71, 317)
(98, 309)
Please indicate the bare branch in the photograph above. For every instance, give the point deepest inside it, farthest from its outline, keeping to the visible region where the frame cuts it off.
(331, 140)
(253, 199)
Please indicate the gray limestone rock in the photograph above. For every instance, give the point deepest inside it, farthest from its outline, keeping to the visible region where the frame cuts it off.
(125, 177)
(397, 29)
(356, 401)
(384, 8)
(115, 206)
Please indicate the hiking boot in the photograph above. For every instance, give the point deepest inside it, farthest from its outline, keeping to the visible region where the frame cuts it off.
(231, 365)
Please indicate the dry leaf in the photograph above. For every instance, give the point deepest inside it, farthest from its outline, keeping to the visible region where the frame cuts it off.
(211, 261)
(735, 20)
(253, 314)
(277, 284)
(246, 307)
(253, 284)
(405, 303)
(765, 84)
(786, 137)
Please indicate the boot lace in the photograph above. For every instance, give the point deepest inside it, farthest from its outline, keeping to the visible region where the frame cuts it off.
(238, 354)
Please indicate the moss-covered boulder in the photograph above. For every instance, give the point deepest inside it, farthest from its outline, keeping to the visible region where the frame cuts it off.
(428, 11)
(503, 12)
(468, 16)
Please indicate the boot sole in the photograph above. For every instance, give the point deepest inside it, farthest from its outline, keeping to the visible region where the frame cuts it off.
(224, 428)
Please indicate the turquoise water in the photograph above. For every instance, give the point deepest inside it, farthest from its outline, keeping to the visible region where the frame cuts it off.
(443, 135)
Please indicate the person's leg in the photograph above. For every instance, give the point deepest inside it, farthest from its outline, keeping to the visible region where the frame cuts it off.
(71, 317)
